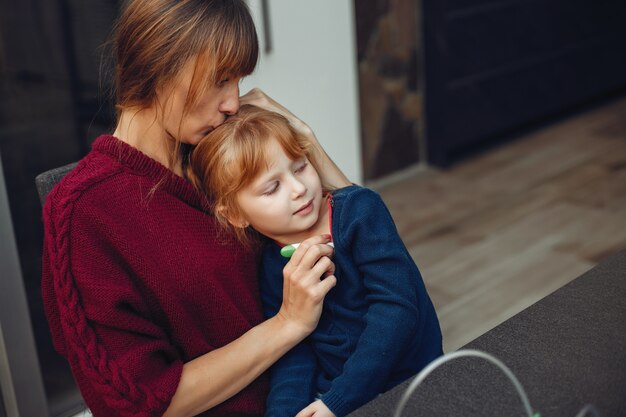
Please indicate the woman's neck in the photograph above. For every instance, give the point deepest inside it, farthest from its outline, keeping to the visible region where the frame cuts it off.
(142, 130)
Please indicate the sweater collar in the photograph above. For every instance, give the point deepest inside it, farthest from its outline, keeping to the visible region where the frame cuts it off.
(138, 162)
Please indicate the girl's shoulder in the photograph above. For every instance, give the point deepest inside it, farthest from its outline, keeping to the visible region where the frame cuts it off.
(354, 195)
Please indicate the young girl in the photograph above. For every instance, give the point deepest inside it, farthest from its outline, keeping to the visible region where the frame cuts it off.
(378, 325)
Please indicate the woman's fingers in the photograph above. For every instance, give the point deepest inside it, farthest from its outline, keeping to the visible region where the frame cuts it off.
(258, 98)
(310, 282)
(312, 248)
(308, 276)
(327, 284)
(323, 268)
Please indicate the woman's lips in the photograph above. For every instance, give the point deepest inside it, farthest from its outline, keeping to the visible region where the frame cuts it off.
(305, 209)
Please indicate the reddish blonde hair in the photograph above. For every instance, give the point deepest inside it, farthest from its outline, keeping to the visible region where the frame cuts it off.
(230, 157)
(155, 39)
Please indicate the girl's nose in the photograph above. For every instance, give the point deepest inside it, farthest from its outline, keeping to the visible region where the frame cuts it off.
(298, 188)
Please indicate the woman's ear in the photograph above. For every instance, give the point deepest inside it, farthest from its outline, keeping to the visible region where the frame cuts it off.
(235, 219)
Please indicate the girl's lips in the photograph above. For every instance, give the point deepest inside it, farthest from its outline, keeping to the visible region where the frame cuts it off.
(305, 209)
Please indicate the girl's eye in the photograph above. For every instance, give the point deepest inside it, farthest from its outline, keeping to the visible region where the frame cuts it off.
(223, 82)
(272, 190)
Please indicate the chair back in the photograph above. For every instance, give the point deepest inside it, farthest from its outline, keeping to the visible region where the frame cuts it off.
(47, 180)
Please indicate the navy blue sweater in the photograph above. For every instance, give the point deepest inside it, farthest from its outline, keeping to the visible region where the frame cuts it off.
(378, 325)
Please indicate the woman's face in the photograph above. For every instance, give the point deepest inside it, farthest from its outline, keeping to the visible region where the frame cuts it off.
(210, 110)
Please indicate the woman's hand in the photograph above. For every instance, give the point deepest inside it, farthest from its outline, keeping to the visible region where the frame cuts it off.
(308, 276)
(316, 409)
(258, 98)
(331, 175)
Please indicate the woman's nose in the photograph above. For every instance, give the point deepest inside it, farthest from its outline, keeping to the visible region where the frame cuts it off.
(230, 103)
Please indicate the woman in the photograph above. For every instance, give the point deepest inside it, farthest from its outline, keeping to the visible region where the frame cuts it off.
(156, 311)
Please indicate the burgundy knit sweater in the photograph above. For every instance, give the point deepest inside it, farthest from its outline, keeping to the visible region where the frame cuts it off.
(138, 279)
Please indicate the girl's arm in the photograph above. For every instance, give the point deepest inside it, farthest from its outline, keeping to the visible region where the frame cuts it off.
(330, 173)
(396, 297)
(216, 376)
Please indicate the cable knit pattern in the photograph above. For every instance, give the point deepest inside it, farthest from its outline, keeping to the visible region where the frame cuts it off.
(117, 387)
(129, 302)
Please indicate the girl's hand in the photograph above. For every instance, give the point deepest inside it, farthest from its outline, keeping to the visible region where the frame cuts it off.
(308, 276)
(316, 409)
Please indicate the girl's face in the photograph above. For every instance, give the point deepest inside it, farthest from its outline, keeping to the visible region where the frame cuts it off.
(210, 111)
(284, 202)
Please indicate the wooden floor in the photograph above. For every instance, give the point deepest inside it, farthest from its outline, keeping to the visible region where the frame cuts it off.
(494, 234)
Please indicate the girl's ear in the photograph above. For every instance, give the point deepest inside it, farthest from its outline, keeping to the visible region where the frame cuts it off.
(235, 219)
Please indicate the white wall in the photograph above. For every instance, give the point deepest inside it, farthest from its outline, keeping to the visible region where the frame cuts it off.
(312, 71)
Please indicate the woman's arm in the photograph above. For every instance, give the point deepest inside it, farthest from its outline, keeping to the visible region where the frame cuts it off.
(216, 376)
(292, 377)
(330, 172)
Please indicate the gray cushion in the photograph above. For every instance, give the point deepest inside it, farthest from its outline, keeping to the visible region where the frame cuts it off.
(47, 180)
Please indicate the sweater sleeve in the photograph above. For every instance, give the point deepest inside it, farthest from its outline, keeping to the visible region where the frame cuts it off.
(292, 382)
(121, 357)
(292, 376)
(390, 277)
